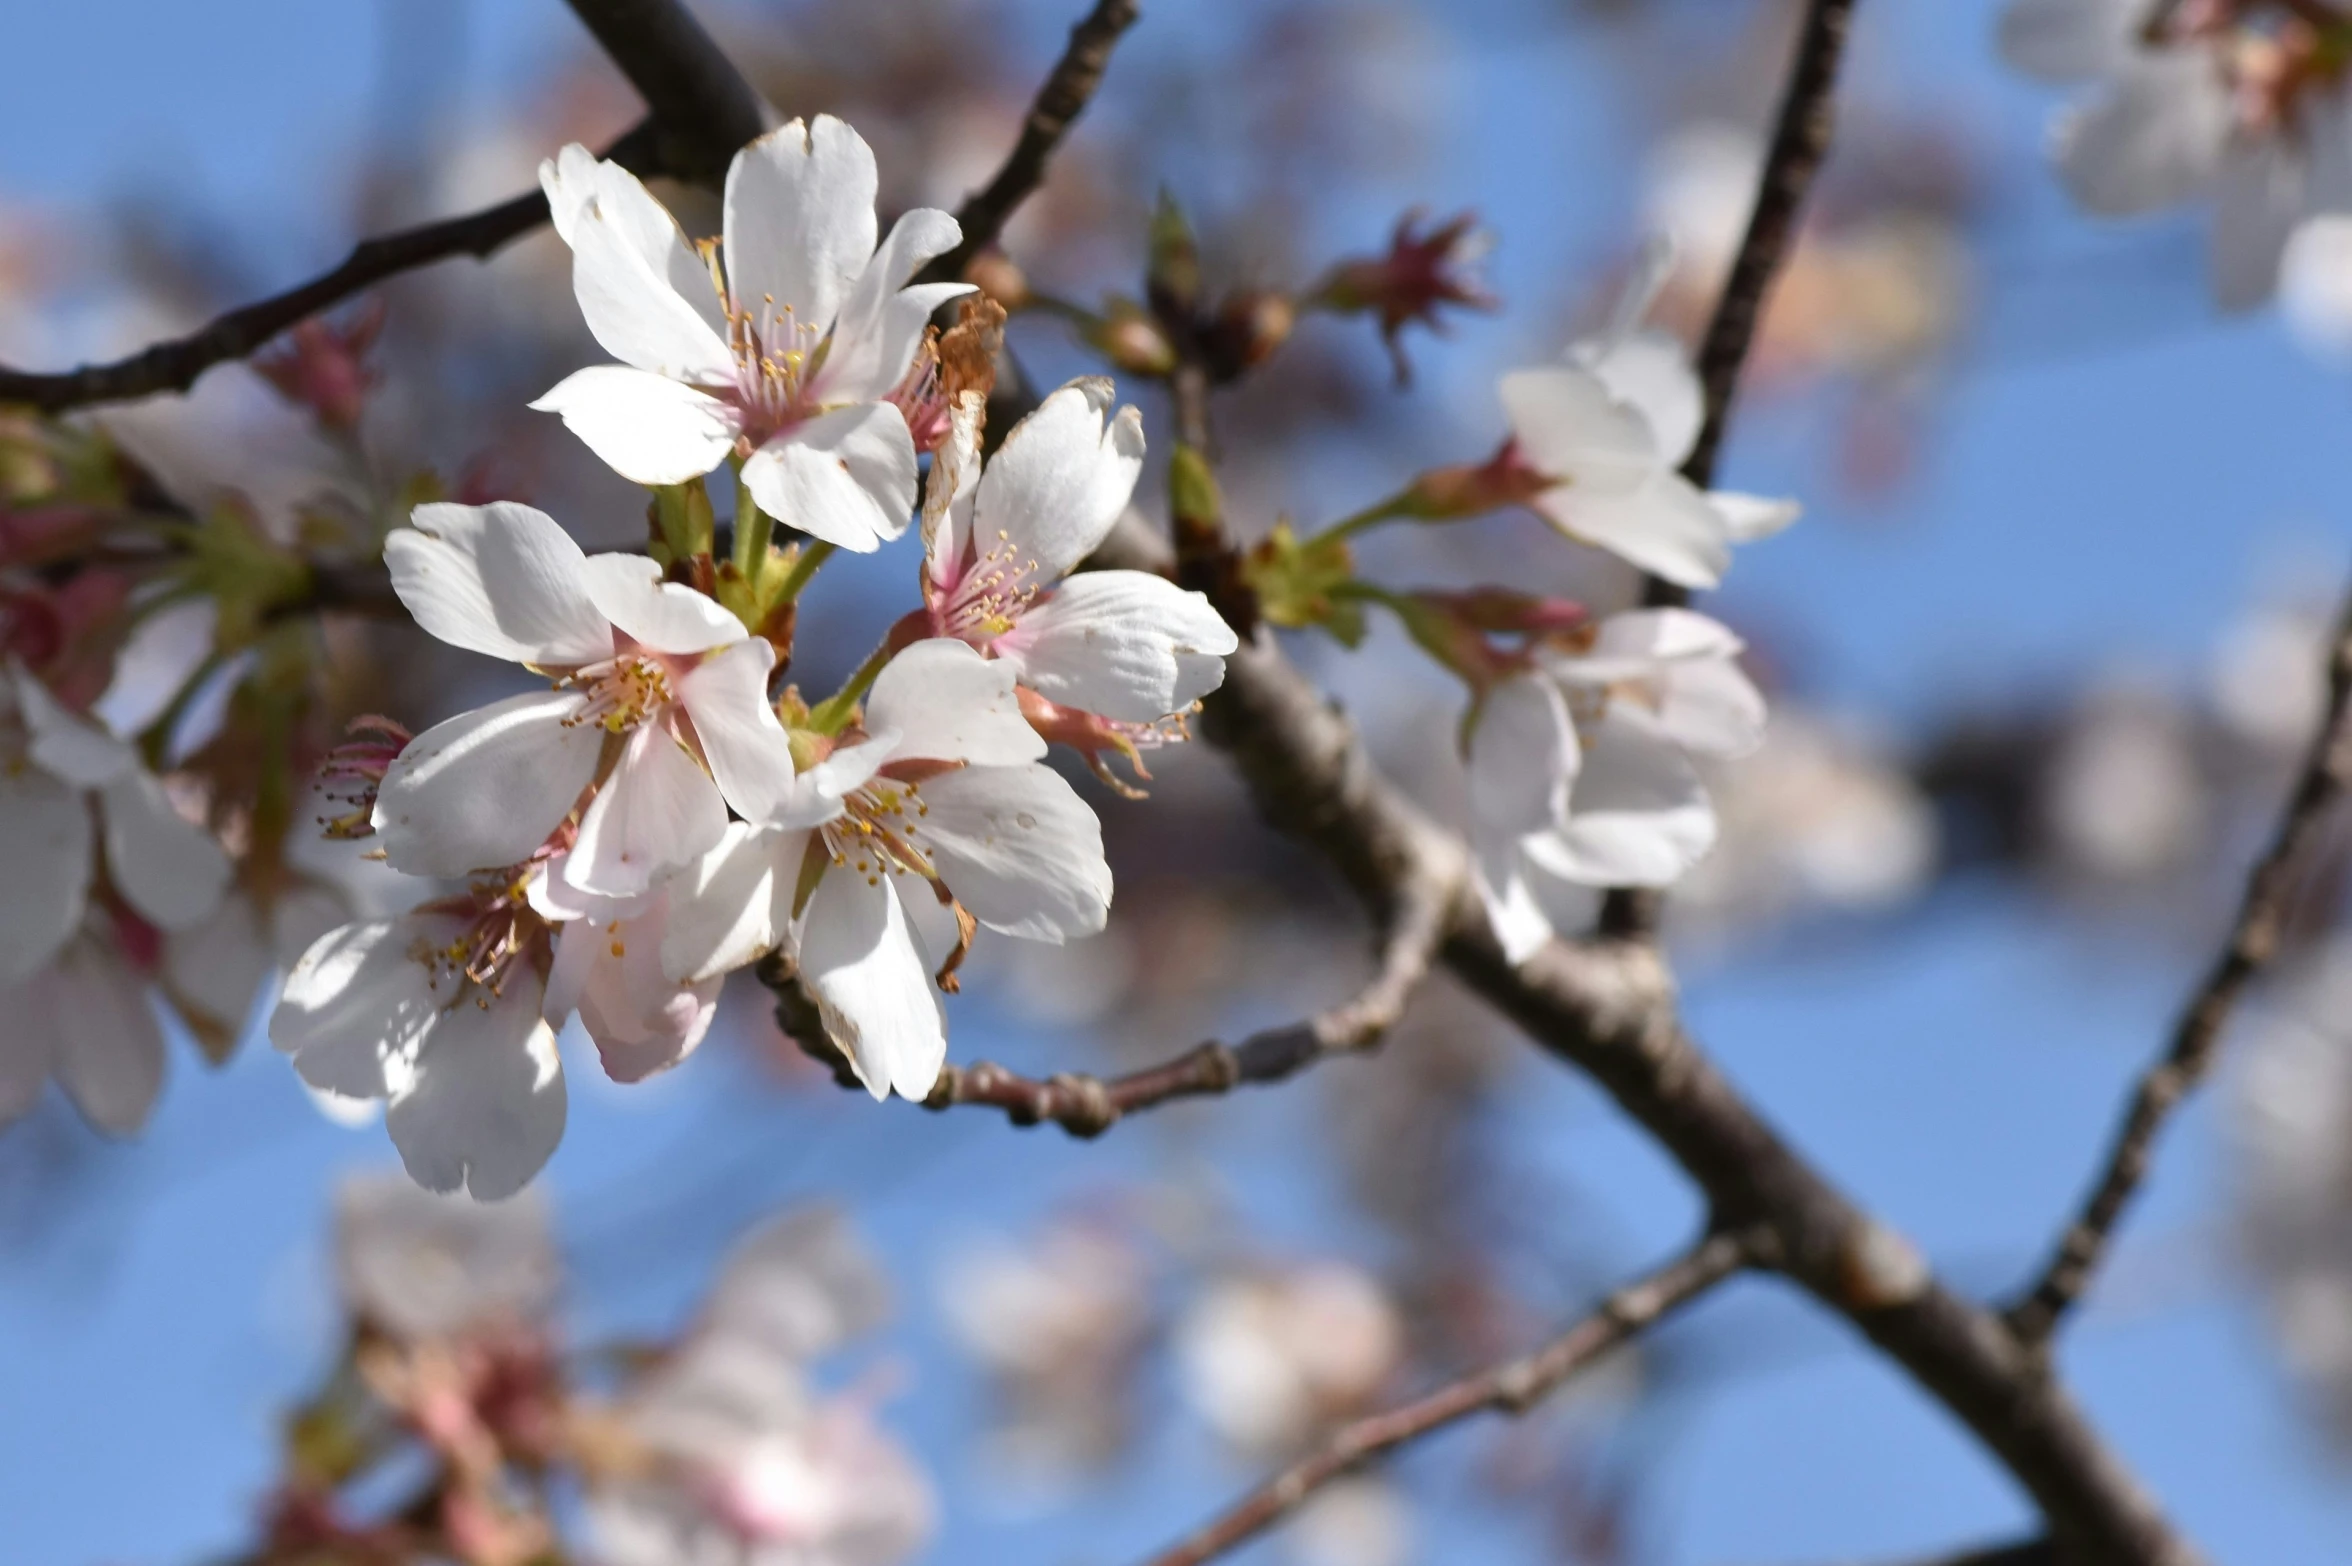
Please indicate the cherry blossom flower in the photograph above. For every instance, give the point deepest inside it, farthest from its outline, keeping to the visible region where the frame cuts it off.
(606, 965)
(1580, 768)
(785, 355)
(654, 668)
(1268, 1357)
(1597, 444)
(78, 947)
(2242, 100)
(934, 813)
(1127, 646)
(421, 1266)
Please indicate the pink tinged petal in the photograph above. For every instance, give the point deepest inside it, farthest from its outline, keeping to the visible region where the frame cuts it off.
(1666, 527)
(647, 428)
(657, 811)
(2069, 40)
(485, 789)
(872, 984)
(2152, 138)
(167, 867)
(357, 1005)
(1747, 518)
(568, 180)
(750, 755)
(28, 1043)
(800, 221)
(1020, 850)
(65, 744)
(799, 1286)
(1638, 816)
(1570, 427)
(1650, 372)
(1499, 873)
(668, 617)
(1058, 484)
(641, 1021)
(948, 703)
(733, 905)
(109, 1049)
(486, 1105)
(44, 868)
(817, 794)
(635, 311)
(1126, 644)
(1523, 758)
(574, 960)
(847, 477)
(502, 580)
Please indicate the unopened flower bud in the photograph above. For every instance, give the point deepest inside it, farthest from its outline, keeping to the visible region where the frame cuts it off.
(1132, 341)
(1250, 325)
(323, 367)
(1470, 489)
(1000, 277)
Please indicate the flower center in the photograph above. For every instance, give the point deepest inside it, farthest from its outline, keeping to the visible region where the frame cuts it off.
(620, 693)
(499, 931)
(877, 830)
(992, 594)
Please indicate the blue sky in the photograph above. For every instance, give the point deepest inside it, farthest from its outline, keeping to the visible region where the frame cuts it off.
(2078, 507)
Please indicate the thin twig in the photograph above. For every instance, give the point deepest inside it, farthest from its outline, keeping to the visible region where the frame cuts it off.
(1059, 102)
(1800, 140)
(2196, 1036)
(700, 106)
(175, 365)
(1087, 1106)
(1512, 1387)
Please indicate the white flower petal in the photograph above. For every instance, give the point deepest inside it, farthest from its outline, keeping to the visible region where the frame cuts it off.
(486, 1106)
(1747, 518)
(357, 1004)
(2152, 138)
(1057, 486)
(1632, 644)
(635, 311)
(1711, 708)
(2069, 40)
(817, 794)
(749, 753)
(641, 1021)
(881, 320)
(568, 180)
(156, 663)
(948, 703)
(733, 905)
(949, 487)
(44, 868)
(485, 789)
(167, 867)
(28, 1044)
(668, 617)
(1523, 757)
(1638, 816)
(502, 580)
(1500, 875)
(1650, 372)
(800, 219)
(1020, 850)
(847, 477)
(872, 984)
(1666, 526)
(647, 428)
(657, 811)
(647, 227)
(109, 1048)
(1569, 426)
(65, 744)
(2261, 198)
(1126, 644)
(214, 968)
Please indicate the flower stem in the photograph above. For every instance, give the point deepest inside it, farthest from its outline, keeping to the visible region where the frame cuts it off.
(831, 715)
(753, 529)
(804, 565)
(1372, 515)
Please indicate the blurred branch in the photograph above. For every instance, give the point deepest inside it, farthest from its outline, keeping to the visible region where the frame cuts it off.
(2196, 1037)
(175, 365)
(1800, 140)
(1059, 102)
(1512, 1388)
(1087, 1106)
(700, 108)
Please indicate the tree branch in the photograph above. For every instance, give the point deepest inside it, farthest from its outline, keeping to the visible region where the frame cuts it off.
(174, 365)
(1512, 1388)
(2196, 1035)
(1066, 91)
(700, 107)
(1087, 1106)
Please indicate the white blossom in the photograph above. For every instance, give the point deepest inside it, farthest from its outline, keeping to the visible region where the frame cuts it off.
(785, 355)
(1580, 768)
(656, 666)
(1268, 1357)
(422, 1266)
(937, 805)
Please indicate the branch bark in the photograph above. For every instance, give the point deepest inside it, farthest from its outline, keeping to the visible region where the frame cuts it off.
(700, 107)
(2196, 1036)
(1066, 91)
(1512, 1388)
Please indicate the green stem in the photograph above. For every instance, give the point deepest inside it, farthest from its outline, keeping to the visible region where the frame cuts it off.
(1382, 511)
(831, 715)
(753, 530)
(804, 565)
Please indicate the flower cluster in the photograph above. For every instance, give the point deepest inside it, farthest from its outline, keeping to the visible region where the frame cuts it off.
(653, 814)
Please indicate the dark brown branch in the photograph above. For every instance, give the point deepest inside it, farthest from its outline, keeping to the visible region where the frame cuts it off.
(700, 107)
(2196, 1037)
(1087, 1106)
(1059, 102)
(1512, 1388)
(175, 365)
(1800, 140)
